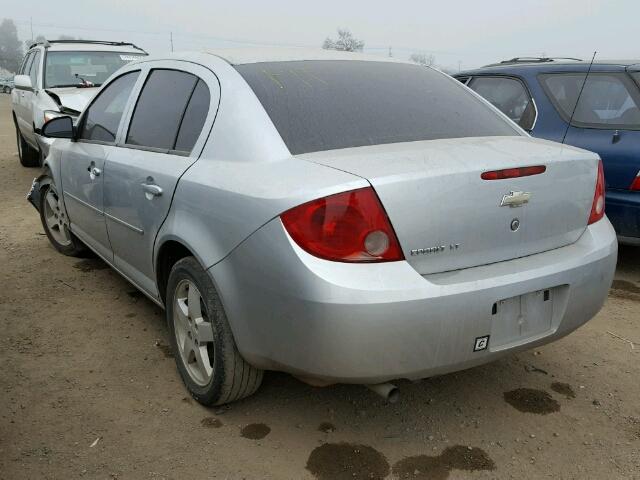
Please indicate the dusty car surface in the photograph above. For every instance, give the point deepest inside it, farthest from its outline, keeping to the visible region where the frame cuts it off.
(340, 217)
(59, 77)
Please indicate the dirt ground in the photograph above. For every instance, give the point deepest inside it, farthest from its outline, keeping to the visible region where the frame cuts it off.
(88, 389)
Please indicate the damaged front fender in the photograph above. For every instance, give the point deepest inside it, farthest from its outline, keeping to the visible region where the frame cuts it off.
(33, 197)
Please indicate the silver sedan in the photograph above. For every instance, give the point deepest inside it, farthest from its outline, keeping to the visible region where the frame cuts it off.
(340, 217)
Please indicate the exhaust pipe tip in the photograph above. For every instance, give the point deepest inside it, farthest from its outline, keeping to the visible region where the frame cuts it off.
(388, 391)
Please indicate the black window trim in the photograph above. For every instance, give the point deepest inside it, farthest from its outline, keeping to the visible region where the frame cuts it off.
(512, 77)
(168, 151)
(83, 120)
(574, 123)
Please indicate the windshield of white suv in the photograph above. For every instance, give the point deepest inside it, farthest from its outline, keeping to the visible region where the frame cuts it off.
(83, 69)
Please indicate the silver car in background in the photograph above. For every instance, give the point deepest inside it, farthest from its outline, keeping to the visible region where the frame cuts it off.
(59, 77)
(339, 217)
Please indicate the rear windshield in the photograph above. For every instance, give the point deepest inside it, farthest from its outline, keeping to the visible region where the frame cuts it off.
(609, 100)
(332, 104)
(69, 69)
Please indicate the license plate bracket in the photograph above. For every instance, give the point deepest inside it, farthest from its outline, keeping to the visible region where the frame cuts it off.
(517, 319)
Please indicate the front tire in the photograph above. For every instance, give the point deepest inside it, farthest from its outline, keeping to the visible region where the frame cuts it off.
(56, 224)
(206, 355)
(29, 156)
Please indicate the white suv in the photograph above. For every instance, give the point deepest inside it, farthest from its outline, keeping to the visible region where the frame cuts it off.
(59, 77)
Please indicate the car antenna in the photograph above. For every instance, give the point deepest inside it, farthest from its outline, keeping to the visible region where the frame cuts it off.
(575, 107)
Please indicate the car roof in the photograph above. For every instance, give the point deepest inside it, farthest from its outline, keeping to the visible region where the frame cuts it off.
(241, 56)
(551, 65)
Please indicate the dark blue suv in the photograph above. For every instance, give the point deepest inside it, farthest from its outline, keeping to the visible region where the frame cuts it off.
(540, 95)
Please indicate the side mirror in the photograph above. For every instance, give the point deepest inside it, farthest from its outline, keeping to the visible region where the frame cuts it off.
(22, 82)
(59, 127)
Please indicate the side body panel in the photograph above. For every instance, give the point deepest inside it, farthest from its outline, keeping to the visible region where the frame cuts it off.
(244, 177)
(133, 215)
(82, 167)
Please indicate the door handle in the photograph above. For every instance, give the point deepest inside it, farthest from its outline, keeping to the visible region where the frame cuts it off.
(151, 190)
(94, 172)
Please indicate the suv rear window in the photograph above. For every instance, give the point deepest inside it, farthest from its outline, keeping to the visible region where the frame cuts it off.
(509, 96)
(609, 100)
(332, 104)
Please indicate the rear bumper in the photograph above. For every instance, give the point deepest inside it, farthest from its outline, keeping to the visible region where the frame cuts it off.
(623, 209)
(349, 323)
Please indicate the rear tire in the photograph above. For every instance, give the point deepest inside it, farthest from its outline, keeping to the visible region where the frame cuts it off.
(56, 224)
(206, 354)
(29, 156)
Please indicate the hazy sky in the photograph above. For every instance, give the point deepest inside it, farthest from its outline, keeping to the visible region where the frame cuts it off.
(470, 32)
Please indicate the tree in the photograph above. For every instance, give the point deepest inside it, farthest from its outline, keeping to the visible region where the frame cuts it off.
(10, 47)
(345, 42)
(423, 59)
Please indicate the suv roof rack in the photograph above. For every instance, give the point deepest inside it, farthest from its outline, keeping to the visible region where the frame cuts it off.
(516, 60)
(47, 43)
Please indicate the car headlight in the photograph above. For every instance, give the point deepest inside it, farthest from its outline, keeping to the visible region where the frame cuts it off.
(51, 114)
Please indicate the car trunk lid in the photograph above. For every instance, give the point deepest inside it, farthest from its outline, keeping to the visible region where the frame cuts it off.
(447, 217)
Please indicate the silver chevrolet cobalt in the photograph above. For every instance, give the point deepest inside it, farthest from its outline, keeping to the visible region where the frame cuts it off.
(340, 217)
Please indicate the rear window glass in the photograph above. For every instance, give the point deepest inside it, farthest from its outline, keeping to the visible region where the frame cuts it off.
(333, 104)
(508, 95)
(609, 100)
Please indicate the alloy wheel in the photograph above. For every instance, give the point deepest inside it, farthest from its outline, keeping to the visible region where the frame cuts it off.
(56, 219)
(193, 331)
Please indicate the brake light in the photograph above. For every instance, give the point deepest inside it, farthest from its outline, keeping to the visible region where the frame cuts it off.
(346, 227)
(635, 185)
(513, 172)
(597, 208)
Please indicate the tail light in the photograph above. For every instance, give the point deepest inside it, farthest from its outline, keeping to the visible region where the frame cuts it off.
(635, 185)
(597, 208)
(346, 227)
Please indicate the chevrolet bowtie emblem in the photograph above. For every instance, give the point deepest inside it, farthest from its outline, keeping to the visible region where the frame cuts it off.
(515, 199)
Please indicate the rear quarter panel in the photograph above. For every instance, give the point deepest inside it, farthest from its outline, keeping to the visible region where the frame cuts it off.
(218, 204)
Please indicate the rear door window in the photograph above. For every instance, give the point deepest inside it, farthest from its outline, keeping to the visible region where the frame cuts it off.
(194, 118)
(103, 117)
(161, 107)
(608, 100)
(509, 95)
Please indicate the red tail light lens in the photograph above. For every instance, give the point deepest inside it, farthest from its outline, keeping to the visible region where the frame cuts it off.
(513, 172)
(635, 185)
(347, 227)
(597, 208)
